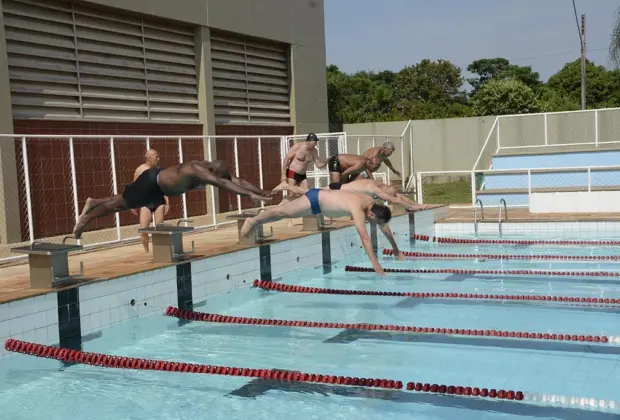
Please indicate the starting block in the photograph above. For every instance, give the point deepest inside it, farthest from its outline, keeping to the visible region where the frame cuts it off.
(315, 223)
(168, 241)
(49, 263)
(258, 234)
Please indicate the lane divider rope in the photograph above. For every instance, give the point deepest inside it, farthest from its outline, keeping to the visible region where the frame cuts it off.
(582, 301)
(122, 362)
(229, 319)
(483, 271)
(427, 238)
(439, 256)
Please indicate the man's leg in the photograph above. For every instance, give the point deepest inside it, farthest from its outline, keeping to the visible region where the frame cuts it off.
(95, 208)
(145, 221)
(296, 208)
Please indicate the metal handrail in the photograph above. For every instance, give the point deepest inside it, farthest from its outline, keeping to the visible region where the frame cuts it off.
(500, 215)
(476, 214)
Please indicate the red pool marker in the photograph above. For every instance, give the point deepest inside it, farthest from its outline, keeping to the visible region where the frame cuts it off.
(444, 256)
(568, 300)
(484, 271)
(228, 319)
(427, 238)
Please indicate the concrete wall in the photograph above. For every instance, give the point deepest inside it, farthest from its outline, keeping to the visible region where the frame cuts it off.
(454, 144)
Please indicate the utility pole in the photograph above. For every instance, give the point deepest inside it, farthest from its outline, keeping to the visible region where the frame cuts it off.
(583, 61)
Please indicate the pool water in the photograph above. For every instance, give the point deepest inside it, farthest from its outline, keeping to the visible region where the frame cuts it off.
(33, 389)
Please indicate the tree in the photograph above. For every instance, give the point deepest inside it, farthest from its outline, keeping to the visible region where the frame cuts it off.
(430, 89)
(601, 84)
(500, 68)
(501, 97)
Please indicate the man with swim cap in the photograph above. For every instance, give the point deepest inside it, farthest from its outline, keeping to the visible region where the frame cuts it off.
(297, 160)
(382, 153)
(155, 183)
(334, 204)
(158, 208)
(345, 168)
(371, 187)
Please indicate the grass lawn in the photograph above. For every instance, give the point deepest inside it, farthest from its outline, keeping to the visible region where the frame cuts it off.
(452, 192)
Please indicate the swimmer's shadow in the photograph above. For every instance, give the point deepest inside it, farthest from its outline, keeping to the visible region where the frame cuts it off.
(258, 387)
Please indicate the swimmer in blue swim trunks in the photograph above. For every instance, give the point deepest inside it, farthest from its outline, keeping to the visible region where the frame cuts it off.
(360, 207)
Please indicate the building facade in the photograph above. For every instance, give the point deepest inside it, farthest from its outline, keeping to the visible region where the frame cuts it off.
(150, 67)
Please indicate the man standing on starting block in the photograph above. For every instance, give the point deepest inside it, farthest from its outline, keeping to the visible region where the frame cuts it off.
(334, 204)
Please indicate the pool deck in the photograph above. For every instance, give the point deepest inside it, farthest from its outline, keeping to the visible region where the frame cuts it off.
(520, 215)
(124, 260)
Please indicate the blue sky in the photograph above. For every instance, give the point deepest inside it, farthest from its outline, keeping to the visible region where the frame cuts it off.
(389, 34)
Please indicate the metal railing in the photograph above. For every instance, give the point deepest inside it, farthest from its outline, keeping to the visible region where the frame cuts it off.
(55, 175)
(523, 181)
(558, 129)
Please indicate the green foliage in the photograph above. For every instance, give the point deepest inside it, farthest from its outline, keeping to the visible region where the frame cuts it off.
(501, 97)
(437, 89)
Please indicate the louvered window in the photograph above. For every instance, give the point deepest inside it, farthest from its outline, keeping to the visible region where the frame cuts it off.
(69, 61)
(251, 83)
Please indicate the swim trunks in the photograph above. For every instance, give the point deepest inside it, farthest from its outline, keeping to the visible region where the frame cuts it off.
(313, 196)
(335, 185)
(144, 191)
(156, 204)
(333, 164)
(295, 176)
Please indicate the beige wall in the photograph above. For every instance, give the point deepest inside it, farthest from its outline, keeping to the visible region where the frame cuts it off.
(299, 23)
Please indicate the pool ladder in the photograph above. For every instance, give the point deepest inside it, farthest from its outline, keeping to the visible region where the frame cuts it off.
(500, 215)
(476, 215)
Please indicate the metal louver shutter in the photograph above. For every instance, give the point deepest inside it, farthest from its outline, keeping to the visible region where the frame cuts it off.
(42, 60)
(250, 80)
(122, 68)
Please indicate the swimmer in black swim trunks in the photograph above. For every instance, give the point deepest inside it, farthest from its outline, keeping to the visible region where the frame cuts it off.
(334, 204)
(155, 183)
(158, 208)
(345, 168)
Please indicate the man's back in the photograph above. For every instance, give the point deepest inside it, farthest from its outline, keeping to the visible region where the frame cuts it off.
(342, 203)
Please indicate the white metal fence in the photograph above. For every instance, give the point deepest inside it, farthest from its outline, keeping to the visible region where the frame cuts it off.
(514, 185)
(56, 174)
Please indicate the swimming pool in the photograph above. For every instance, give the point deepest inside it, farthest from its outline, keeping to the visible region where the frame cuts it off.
(561, 379)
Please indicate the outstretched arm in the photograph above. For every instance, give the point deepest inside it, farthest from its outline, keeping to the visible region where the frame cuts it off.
(387, 232)
(318, 162)
(291, 188)
(208, 178)
(398, 200)
(389, 165)
(359, 219)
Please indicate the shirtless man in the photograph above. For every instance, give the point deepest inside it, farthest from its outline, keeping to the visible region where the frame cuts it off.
(155, 183)
(371, 187)
(382, 153)
(159, 208)
(297, 160)
(345, 168)
(334, 204)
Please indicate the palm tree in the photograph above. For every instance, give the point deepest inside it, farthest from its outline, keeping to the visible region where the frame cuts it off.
(614, 44)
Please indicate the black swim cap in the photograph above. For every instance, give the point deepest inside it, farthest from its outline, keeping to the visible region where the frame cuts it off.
(312, 137)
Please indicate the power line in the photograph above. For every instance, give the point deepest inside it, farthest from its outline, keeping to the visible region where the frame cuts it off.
(577, 22)
(552, 54)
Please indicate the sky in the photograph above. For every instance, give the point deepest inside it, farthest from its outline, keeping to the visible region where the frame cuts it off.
(390, 34)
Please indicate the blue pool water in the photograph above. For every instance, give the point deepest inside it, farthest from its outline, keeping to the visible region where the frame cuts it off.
(34, 389)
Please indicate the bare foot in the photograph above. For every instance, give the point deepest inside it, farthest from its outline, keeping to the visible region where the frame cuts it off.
(281, 187)
(79, 227)
(87, 206)
(247, 228)
(260, 198)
